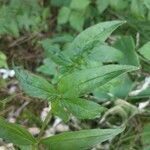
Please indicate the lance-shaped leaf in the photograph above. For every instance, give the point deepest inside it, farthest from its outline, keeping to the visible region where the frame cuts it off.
(80, 140)
(83, 109)
(87, 39)
(83, 81)
(35, 86)
(15, 133)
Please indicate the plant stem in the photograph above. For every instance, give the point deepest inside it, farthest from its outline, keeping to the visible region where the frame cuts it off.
(46, 121)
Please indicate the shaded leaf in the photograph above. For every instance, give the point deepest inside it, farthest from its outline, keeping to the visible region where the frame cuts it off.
(63, 15)
(48, 68)
(25, 147)
(117, 88)
(119, 4)
(76, 20)
(59, 110)
(102, 5)
(137, 9)
(15, 133)
(59, 3)
(147, 4)
(145, 51)
(127, 46)
(53, 52)
(3, 60)
(79, 5)
(146, 135)
(122, 90)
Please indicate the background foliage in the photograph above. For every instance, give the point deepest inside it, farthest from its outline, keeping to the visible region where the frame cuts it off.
(90, 77)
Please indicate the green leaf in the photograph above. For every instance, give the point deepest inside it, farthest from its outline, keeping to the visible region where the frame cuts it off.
(102, 5)
(19, 15)
(25, 147)
(76, 20)
(147, 4)
(119, 4)
(146, 135)
(117, 88)
(59, 3)
(83, 109)
(63, 15)
(145, 51)
(137, 9)
(79, 5)
(48, 67)
(59, 110)
(13, 29)
(35, 86)
(80, 140)
(53, 52)
(147, 147)
(61, 39)
(15, 133)
(3, 58)
(83, 81)
(87, 39)
(127, 46)
(104, 53)
(122, 90)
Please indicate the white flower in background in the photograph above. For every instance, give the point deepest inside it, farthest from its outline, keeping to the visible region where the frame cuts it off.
(6, 73)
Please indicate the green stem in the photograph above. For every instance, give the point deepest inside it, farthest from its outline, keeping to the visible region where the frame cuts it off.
(45, 123)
